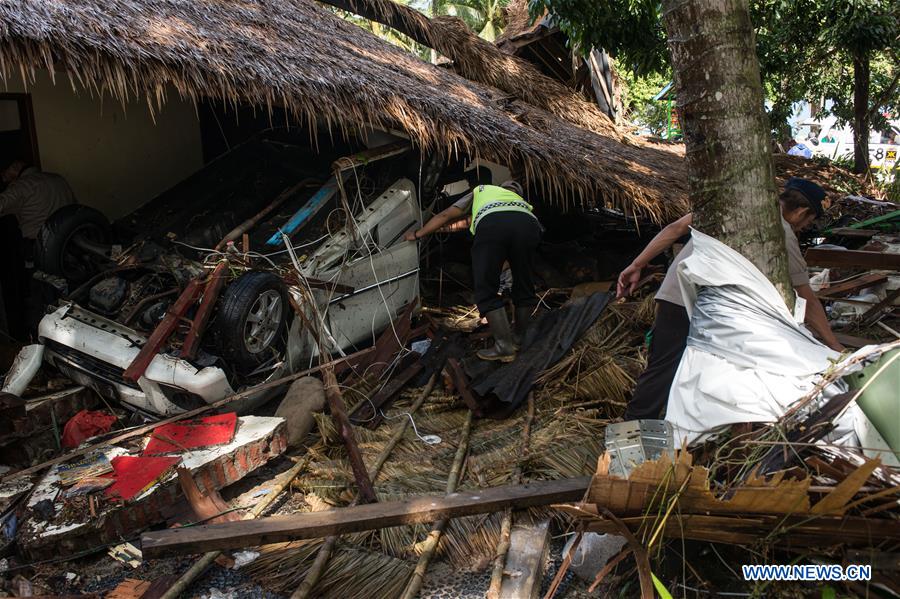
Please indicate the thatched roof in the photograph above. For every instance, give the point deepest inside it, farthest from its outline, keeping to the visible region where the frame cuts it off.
(481, 61)
(521, 27)
(297, 55)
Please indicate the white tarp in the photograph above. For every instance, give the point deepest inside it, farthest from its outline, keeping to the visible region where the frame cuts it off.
(747, 359)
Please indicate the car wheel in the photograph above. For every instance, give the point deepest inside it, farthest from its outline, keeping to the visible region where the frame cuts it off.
(251, 323)
(69, 243)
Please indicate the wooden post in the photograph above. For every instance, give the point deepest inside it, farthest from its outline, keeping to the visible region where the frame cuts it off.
(213, 287)
(163, 331)
(339, 415)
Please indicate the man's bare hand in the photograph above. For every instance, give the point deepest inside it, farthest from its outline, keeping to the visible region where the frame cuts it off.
(628, 281)
(410, 236)
(836, 346)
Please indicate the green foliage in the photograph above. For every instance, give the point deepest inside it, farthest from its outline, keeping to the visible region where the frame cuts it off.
(806, 50)
(805, 47)
(630, 30)
(640, 107)
(386, 33)
(660, 587)
(482, 16)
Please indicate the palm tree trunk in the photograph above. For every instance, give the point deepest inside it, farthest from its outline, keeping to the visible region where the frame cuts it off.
(726, 131)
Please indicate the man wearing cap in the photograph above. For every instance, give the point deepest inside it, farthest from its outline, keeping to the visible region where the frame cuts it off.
(801, 204)
(505, 230)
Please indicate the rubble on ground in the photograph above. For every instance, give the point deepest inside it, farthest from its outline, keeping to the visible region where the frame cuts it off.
(416, 411)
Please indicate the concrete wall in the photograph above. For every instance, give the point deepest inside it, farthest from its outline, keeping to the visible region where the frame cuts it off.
(115, 159)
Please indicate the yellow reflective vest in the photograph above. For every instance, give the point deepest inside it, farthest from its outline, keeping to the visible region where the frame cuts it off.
(487, 199)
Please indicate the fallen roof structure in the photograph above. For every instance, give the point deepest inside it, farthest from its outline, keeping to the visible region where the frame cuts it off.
(300, 57)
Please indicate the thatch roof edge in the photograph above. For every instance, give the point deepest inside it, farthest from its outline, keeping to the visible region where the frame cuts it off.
(567, 163)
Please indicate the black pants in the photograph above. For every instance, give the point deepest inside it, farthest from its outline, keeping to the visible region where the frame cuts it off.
(13, 277)
(670, 332)
(504, 236)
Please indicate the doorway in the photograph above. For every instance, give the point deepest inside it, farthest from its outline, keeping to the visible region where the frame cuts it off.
(18, 138)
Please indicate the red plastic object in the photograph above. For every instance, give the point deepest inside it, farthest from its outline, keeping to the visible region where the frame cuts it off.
(135, 474)
(192, 434)
(84, 425)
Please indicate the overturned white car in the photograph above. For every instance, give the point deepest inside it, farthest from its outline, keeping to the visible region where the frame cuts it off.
(239, 286)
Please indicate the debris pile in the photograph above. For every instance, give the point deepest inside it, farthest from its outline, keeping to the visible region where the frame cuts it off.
(391, 465)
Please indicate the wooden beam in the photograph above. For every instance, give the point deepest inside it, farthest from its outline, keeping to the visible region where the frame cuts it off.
(853, 341)
(801, 531)
(312, 525)
(368, 412)
(343, 426)
(461, 382)
(523, 572)
(874, 314)
(201, 318)
(163, 331)
(852, 285)
(858, 258)
(848, 232)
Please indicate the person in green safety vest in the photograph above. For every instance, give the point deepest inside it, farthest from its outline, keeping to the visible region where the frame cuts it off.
(505, 230)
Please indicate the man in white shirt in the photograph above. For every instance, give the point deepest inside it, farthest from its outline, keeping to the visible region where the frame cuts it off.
(32, 196)
(801, 204)
(28, 199)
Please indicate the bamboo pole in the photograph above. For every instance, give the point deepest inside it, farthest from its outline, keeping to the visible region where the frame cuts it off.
(318, 567)
(401, 429)
(506, 525)
(434, 537)
(208, 558)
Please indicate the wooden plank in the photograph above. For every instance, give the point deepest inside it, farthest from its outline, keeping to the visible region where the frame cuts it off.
(853, 341)
(798, 531)
(312, 525)
(858, 258)
(391, 340)
(873, 314)
(850, 232)
(524, 568)
(213, 288)
(342, 423)
(163, 331)
(366, 415)
(852, 285)
(461, 382)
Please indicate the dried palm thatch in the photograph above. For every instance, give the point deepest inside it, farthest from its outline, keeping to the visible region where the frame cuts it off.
(296, 56)
(478, 60)
(518, 23)
(353, 571)
(604, 363)
(563, 444)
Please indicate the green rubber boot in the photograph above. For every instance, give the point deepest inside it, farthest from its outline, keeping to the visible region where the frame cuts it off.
(504, 348)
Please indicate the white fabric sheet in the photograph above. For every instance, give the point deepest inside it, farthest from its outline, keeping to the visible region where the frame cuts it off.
(747, 359)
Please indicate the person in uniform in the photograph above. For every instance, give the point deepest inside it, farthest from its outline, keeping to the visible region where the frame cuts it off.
(505, 230)
(801, 204)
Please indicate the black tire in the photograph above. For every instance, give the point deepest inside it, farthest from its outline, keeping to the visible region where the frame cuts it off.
(233, 327)
(54, 251)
